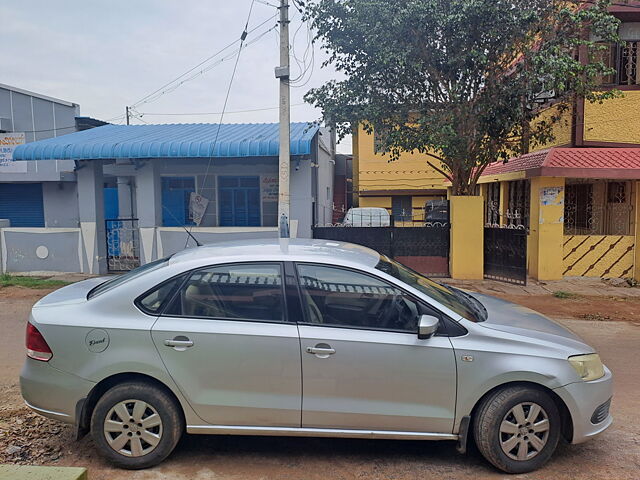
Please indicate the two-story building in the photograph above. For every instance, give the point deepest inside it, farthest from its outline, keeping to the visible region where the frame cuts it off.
(578, 198)
(592, 169)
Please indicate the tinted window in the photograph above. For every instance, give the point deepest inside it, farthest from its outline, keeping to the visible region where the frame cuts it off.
(153, 302)
(340, 297)
(245, 291)
(452, 298)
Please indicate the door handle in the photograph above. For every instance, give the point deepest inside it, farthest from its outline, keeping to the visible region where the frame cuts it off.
(179, 343)
(322, 350)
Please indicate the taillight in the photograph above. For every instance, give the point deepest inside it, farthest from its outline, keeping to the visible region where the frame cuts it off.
(37, 347)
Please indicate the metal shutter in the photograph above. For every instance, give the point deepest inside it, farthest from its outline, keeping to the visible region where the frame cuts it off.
(22, 204)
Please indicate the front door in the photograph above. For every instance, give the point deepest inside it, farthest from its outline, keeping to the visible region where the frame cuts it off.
(226, 342)
(363, 366)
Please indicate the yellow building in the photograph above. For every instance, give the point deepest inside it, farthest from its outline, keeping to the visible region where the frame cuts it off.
(576, 200)
(403, 186)
(579, 198)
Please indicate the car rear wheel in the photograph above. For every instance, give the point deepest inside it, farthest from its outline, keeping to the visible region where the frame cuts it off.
(135, 425)
(517, 428)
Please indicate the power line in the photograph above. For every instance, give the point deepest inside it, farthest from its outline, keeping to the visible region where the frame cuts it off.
(300, 81)
(243, 36)
(219, 113)
(46, 130)
(159, 90)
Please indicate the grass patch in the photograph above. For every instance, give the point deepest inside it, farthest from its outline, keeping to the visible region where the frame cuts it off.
(564, 295)
(7, 280)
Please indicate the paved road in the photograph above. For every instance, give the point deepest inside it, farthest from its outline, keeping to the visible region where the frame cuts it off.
(615, 455)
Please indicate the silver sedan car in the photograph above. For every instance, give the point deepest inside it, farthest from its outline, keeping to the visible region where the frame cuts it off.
(306, 338)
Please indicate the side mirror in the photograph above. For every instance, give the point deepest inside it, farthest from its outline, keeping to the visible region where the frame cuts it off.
(427, 326)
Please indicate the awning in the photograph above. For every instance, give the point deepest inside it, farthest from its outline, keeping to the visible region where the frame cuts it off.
(610, 163)
(169, 141)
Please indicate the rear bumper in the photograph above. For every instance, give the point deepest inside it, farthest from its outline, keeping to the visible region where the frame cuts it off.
(52, 392)
(583, 399)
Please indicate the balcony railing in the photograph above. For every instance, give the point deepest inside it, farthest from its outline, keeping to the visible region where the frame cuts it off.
(628, 71)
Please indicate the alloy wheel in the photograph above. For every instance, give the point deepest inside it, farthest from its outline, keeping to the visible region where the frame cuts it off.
(133, 428)
(524, 431)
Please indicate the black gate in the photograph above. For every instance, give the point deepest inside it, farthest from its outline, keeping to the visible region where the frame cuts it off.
(123, 244)
(505, 254)
(422, 248)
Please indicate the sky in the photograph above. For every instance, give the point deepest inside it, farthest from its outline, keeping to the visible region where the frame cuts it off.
(106, 55)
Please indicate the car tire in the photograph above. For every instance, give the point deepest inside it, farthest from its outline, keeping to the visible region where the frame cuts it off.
(517, 428)
(136, 425)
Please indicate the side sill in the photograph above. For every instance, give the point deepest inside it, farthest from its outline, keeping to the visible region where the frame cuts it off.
(316, 432)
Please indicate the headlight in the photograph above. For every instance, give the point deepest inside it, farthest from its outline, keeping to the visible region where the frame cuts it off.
(589, 367)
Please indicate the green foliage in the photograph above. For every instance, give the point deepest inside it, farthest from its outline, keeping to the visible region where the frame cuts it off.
(564, 295)
(458, 79)
(7, 280)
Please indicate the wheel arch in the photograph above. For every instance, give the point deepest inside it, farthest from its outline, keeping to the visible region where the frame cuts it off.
(85, 407)
(565, 414)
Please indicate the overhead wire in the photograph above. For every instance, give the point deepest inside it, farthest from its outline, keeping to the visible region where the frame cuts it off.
(308, 66)
(171, 85)
(218, 113)
(243, 36)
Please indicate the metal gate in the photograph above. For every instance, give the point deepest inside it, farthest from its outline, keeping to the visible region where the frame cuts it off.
(422, 248)
(505, 254)
(123, 244)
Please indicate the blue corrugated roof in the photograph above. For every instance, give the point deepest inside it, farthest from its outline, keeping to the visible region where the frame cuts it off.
(169, 141)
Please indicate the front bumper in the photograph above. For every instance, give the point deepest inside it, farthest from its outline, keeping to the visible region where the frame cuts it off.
(583, 399)
(52, 392)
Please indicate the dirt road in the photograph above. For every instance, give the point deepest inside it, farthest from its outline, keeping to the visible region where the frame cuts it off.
(614, 455)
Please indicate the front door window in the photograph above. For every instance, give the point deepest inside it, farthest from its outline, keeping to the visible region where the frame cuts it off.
(344, 298)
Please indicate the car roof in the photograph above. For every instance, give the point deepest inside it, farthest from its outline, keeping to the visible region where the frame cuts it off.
(281, 250)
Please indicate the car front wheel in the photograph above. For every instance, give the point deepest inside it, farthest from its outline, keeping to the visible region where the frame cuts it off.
(135, 425)
(517, 428)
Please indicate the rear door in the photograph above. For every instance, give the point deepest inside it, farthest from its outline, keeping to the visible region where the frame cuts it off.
(363, 366)
(226, 341)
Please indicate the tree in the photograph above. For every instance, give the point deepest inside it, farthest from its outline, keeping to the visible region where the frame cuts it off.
(459, 79)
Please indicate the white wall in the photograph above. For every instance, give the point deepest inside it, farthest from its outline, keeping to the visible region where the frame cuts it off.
(60, 201)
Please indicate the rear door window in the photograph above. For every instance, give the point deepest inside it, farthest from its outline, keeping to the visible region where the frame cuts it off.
(239, 291)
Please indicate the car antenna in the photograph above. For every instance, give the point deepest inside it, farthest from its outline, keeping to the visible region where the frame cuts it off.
(182, 225)
(191, 235)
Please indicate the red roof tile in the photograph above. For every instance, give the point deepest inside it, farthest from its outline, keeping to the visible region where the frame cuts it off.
(574, 162)
(525, 162)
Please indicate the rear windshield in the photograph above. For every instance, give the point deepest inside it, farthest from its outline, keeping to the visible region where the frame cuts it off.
(455, 300)
(124, 278)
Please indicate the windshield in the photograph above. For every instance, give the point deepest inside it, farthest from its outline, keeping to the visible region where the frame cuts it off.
(454, 299)
(124, 278)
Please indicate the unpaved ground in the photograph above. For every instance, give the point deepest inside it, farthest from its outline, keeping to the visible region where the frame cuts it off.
(612, 309)
(614, 329)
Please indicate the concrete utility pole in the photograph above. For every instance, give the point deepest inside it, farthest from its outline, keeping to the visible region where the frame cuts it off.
(127, 111)
(284, 165)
